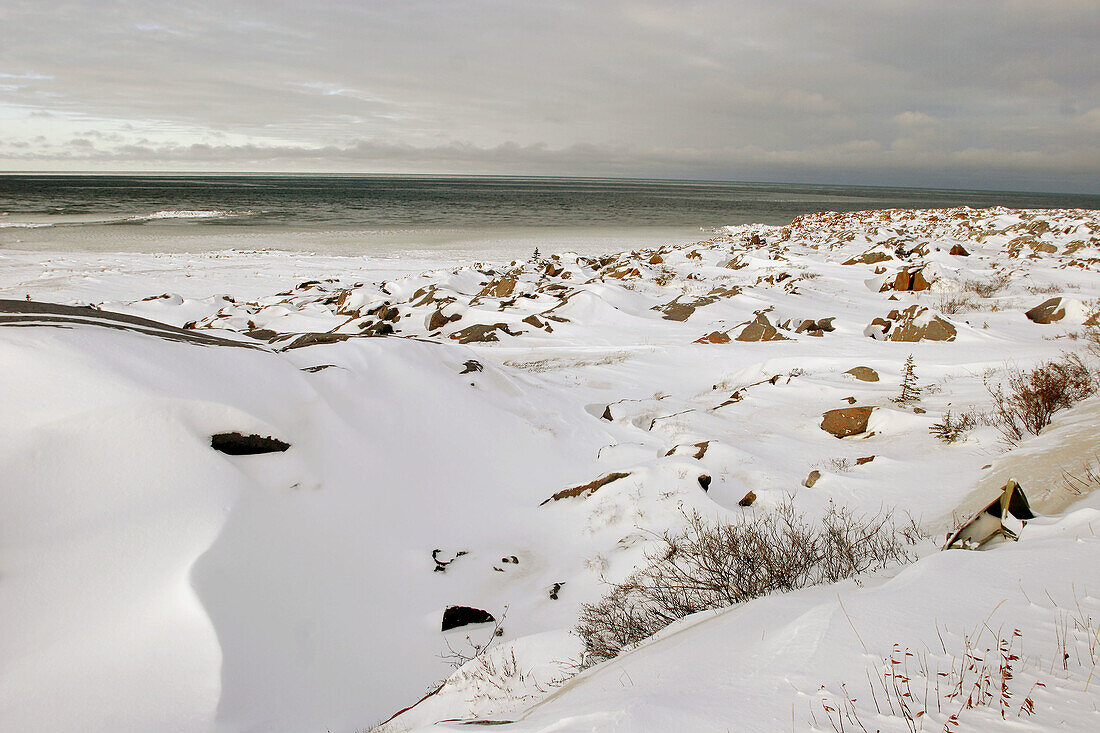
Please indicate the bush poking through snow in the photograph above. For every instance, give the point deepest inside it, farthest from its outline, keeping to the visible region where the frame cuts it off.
(711, 566)
(954, 427)
(910, 390)
(989, 288)
(1026, 403)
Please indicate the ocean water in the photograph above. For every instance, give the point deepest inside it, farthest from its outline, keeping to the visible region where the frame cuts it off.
(393, 216)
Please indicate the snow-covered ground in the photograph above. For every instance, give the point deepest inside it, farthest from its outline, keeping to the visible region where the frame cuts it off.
(149, 582)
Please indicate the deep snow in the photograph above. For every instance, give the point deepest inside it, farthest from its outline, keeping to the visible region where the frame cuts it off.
(151, 583)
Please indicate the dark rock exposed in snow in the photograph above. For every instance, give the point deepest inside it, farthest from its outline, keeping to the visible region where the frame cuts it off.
(238, 444)
(457, 616)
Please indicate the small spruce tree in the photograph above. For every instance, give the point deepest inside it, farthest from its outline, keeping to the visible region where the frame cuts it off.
(910, 390)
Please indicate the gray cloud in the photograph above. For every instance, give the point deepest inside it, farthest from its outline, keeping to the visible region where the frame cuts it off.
(986, 93)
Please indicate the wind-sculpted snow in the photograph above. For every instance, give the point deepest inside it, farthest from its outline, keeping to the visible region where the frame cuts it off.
(451, 434)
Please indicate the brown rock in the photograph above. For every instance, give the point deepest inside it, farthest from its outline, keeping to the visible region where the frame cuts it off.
(760, 329)
(846, 421)
(481, 332)
(1048, 311)
(811, 479)
(865, 459)
(863, 373)
(910, 325)
(501, 288)
(437, 321)
(747, 499)
(869, 258)
(959, 251)
(586, 489)
(714, 337)
(907, 281)
(656, 260)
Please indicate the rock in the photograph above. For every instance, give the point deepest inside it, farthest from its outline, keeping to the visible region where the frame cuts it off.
(747, 499)
(863, 374)
(704, 482)
(959, 251)
(313, 339)
(816, 328)
(1048, 311)
(501, 288)
(865, 459)
(481, 332)
(656, 260)
(677, 310)
(437, 321)
(261, 334)
(457, 616)
(908, 281)
(472, 365)
(714, 337)
(555, 589)
(625, 272)
(700, 449)
(915, 323)
(846, 421)
(811, 479)
(238, 444)
(869, 258)
(587, 489)
(760, 329)
(533, 320)
(441, 565)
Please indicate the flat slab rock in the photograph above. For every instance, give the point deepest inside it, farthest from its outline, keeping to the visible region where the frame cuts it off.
(846, 421)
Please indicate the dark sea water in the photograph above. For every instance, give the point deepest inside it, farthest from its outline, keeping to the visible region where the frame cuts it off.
(391, 215)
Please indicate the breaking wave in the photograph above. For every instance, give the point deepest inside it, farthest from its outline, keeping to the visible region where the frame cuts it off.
(181, 215)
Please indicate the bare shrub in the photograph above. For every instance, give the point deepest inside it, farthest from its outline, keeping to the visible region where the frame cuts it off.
(710, 566)
(1086, 480)
(1092, 340)
(1029, 399)
(950, 305)
(988, 288)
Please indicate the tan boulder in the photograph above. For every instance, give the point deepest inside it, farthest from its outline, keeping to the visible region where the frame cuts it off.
(760, 329)
(912, 324)
(812, 479)
(863, 373)
(846, 421)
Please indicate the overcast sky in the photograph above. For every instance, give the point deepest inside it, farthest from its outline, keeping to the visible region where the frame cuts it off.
(967, 93)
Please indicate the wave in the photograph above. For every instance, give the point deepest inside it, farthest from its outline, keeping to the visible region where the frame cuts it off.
(166, 215)
(186, 214)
